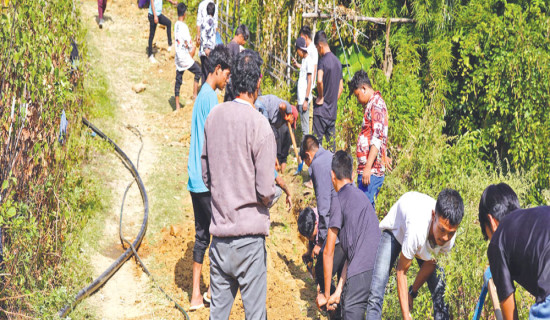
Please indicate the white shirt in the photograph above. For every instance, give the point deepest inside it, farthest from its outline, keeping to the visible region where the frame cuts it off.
(409, 220)
(201, 13)
(305, 69)
(314, 55)
(184, 44)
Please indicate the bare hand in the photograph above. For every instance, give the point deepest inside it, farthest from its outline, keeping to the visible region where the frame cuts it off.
(156, 19)
(366, 177)
(321, 300)
(316, 250)
(333, 301)
(289, 118)
(289, 202)
(305, 106)
(319, 101)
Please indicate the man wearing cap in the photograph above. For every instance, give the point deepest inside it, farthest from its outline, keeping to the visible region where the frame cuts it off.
(307, 68)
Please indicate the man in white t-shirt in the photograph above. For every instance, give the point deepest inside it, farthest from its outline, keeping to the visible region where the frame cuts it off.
(418, 227)
(305, 32)
(185, 50)
(304, 83)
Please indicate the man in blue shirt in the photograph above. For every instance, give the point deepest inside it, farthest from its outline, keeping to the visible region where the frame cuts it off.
(218, 69)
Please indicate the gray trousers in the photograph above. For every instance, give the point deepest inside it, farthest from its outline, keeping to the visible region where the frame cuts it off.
(304, 117)
(238, 263)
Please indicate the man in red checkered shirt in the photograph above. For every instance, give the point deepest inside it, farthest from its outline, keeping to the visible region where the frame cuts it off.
(372, 140)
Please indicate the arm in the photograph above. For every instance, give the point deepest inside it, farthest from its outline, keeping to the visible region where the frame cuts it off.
(373, 152)
(341, 88)
(204, 164)
(264, 157)
(509, 310)
(403, 266)
(328, 257)
(335, 297)
(281, 183)
(154, 12)
(320, 89)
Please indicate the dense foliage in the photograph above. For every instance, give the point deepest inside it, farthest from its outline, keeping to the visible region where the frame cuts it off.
(468, 101)
(43, 195)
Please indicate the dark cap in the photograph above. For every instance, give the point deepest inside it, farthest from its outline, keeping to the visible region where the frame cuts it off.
(301, 43)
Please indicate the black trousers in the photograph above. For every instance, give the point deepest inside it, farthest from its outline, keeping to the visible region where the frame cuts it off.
(195, 69)
(204, 72)
(337, 265)
(282, 137)
(355, 296)
(202, 208)
(324, 128)
(153, 27)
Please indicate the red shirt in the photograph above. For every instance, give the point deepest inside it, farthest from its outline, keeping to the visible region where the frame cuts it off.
(373, 132)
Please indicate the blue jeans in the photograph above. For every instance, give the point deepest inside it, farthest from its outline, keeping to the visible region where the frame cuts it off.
(541, 310)
(372, 189)
(388, 252)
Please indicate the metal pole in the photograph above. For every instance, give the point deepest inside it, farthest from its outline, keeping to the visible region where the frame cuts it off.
(288, 51)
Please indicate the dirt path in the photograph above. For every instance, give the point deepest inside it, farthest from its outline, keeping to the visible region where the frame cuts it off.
(119, 50)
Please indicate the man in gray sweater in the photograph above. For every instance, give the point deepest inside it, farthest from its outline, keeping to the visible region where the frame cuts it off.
(237, 164)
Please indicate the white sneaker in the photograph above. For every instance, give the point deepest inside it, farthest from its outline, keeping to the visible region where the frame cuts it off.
(169, 48)
(152, 59)
(101, 21)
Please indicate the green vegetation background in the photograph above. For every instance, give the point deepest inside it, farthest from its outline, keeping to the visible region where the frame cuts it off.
(468, 102)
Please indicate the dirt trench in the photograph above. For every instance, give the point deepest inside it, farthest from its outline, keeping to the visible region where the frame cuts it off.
(119, 50)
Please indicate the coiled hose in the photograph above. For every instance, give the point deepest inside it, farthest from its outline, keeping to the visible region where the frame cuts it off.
(132, 250)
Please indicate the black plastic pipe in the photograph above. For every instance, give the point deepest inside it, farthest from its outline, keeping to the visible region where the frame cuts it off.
(113, 268)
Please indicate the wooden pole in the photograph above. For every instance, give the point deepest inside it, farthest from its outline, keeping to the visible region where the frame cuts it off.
(494, 299)
(227, 29)
(288, 50)
(316, 15)
(314, 20)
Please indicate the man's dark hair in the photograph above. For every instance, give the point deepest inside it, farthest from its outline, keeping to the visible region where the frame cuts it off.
(342, 165)
(320, 37)
(306, 222)
(359, 78)
(246, 71)
(309, 143)
(211, 9)
(306, 31)
(219, 56)
(242, 29)
(450, 206)
(497, 200)
(182, 8)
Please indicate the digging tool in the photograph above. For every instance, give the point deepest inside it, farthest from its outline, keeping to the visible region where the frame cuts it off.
(298, 160)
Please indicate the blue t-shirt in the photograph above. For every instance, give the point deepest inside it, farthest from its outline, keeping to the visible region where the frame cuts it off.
(205, 102)
(359, 232)
(158, 7)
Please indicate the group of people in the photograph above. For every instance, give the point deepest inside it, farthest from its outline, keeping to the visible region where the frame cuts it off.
(237, 146)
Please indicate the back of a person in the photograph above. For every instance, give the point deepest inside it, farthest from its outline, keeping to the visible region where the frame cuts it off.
(360, 233)
(332, 73)
(183, 59)
(528, 251)
(232, 130)
(412, 208)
